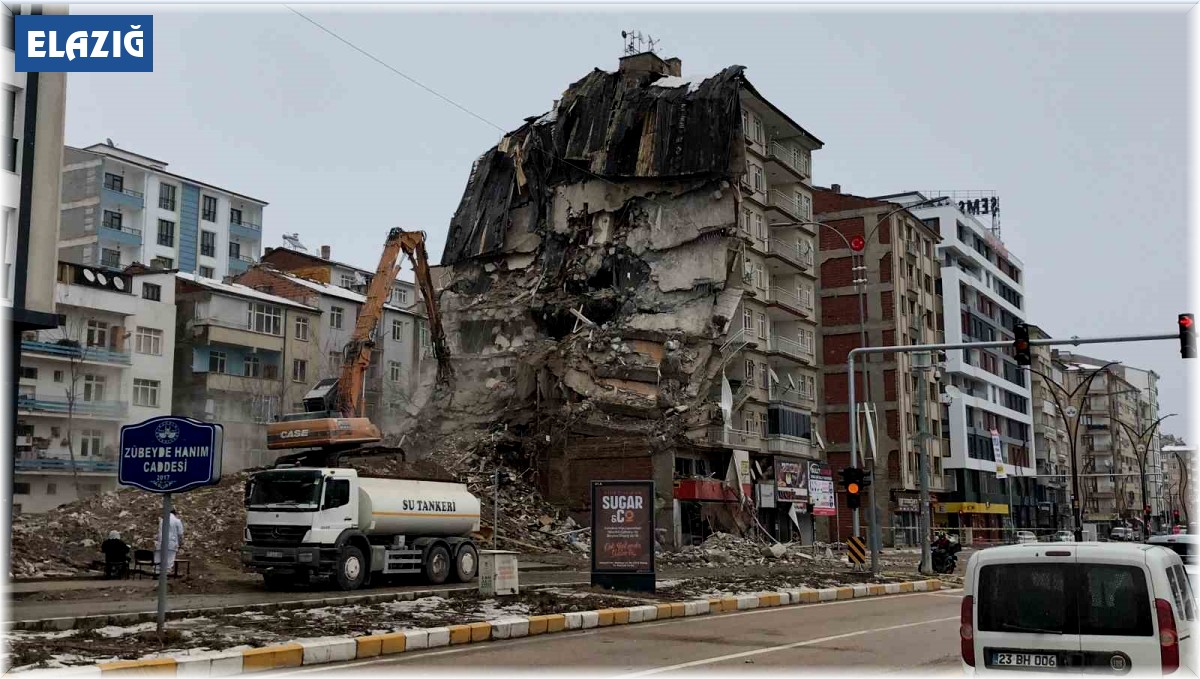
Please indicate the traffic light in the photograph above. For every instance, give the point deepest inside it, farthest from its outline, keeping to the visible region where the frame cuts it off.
(852, 482)
(1187, 336)
(1021, 344)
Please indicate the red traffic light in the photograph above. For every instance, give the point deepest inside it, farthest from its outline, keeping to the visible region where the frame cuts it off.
(858, 243)
(1185, 321)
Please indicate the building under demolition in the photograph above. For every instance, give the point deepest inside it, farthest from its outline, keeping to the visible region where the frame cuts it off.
(629, 292)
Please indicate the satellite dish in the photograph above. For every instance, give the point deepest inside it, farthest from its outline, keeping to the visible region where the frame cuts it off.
(89, 275)
(952, 392)
(102, 278)
(118, 283)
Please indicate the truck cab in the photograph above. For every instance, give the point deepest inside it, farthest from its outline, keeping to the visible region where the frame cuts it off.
(313, 522)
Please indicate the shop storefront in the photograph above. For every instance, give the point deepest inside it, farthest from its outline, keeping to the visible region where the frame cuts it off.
(973, 522)
(906, 517)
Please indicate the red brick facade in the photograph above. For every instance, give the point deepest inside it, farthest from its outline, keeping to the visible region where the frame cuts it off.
(839, 310)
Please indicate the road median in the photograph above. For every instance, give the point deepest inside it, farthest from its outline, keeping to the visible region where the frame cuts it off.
(345, 648)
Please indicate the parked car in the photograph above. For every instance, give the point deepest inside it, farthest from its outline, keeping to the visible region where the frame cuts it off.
(1082, 607)
(1025, 537)
(1063, 536)
(1121, 534)
(1183, 544)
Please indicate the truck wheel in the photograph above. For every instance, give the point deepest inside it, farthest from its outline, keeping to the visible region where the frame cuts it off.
(466, 564)
(351, 569)
(437, 564)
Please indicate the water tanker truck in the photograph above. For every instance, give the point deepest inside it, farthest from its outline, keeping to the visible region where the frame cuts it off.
(313, 522)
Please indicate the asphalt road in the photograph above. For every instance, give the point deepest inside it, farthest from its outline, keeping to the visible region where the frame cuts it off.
(914, 632)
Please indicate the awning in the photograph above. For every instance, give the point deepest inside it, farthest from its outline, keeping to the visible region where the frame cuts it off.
(970, 508)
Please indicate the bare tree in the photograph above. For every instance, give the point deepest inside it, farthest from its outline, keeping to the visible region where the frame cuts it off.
(73, 336)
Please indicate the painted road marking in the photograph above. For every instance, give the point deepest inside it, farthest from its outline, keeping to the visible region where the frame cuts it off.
(404, 657)
(784, 647)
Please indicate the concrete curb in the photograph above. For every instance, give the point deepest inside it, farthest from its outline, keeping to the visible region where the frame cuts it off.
(340, 649)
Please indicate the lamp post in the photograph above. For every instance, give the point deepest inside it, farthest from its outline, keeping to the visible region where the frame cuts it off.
(1072, 420)
(1141, 441)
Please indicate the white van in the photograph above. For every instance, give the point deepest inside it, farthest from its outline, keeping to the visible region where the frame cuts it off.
(1108, 608)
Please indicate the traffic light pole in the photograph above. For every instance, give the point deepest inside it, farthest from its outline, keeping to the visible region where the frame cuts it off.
(914, 348)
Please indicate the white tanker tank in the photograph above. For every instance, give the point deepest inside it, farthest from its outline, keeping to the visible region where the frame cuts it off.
(416, 508)
(306, 522)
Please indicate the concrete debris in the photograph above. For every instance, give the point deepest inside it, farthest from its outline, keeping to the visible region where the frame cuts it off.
(723, 548)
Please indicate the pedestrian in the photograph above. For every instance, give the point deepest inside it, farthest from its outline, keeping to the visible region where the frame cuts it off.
(174, 541)
(116, 556)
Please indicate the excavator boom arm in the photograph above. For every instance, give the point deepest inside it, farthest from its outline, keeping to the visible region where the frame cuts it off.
(413, 244)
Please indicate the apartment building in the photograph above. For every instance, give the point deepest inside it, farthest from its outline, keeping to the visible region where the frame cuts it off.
(107, 364)
(902, 300)
(394, 370)
(120, 208)
(324, 269)
(1179, 494)
(1146, 381)
(982, 300)
(1051, 437)
(242, 357)
(1114, 402)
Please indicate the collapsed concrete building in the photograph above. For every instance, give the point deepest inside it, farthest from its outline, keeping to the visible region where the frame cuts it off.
(628, 290)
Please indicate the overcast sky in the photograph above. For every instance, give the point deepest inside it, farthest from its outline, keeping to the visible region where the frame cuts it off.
(1076, 118)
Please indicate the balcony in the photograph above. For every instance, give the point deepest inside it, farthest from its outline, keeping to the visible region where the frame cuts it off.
(790, 252)
(123, 196)
(239, 263)
(246, 230)
(267, 380)
(788, 445)
(65, 466)
(731, 438)
(792, 398)
(109, 410)
(788, 206)
(792, 160)
(799, 303)
(113, 232)
(216, 331)
(791, 349)
(80, 353)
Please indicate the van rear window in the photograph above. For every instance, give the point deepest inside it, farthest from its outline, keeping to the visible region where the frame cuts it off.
(1060, 598)
(1025, 598)
(1114, 600)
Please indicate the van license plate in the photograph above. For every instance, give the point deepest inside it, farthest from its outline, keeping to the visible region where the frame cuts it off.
(274, 555)
(1025, 660)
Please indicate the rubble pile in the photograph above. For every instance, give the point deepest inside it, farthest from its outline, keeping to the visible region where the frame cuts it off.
(722, 549)
(67, 539)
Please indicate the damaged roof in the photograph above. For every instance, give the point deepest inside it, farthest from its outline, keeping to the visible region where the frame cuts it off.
(615, 126)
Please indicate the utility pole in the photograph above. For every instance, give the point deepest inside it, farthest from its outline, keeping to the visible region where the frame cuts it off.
(923, 475)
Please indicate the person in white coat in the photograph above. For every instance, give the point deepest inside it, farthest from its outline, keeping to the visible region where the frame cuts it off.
(174, 540)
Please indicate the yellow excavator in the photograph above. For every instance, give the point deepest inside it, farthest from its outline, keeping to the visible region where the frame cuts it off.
(333, 422)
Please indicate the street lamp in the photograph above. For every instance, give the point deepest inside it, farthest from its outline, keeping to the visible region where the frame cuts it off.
(1142, 439)
(1072, 431)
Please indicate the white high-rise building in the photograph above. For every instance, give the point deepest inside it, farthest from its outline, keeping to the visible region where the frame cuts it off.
(983, 297)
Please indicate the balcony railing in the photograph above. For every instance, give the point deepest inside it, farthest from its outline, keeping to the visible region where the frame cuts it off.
(733, 438)
(792, 348)
(790, 252)
(787, 204)
(802, 300)
(114, 409)
(52, 465)
(791, 445)
(248, 225)
(793, 158)
(81, 353)
(801, 399)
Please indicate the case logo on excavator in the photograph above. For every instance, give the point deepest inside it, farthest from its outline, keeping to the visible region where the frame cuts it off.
(293, 434)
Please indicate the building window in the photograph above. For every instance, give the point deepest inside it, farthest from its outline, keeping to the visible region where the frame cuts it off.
(394, 370)
(235, 216)
(97, 333)
(145, 393)
(110, 258)
(347, 280)
(207, 272)
(166, 233)
(758, 131)
(91, 441)
(216, 361)
(302, 328)
(756, 173)
(59, 376)
(746, 219)
(112, 220)
(162, 263)
(93, 387)
(335, 317)
(745, 122)
(235, 250)
(208, 243)
(152, 292)
(764, 375)
(28, 373)
(251, 367)
(762, 325)
(51, 488)
(424, 332)
(114, 182)
(266, 318)
(401, 296)
(299, 370)
(210, 209)
(749, 375)
(398, 330)
(747, 320)
(335, 361)
(149, 341)
(20, 488)
(166, 197)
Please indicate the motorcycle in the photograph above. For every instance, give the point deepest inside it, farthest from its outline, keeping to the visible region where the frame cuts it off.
(944, 556)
